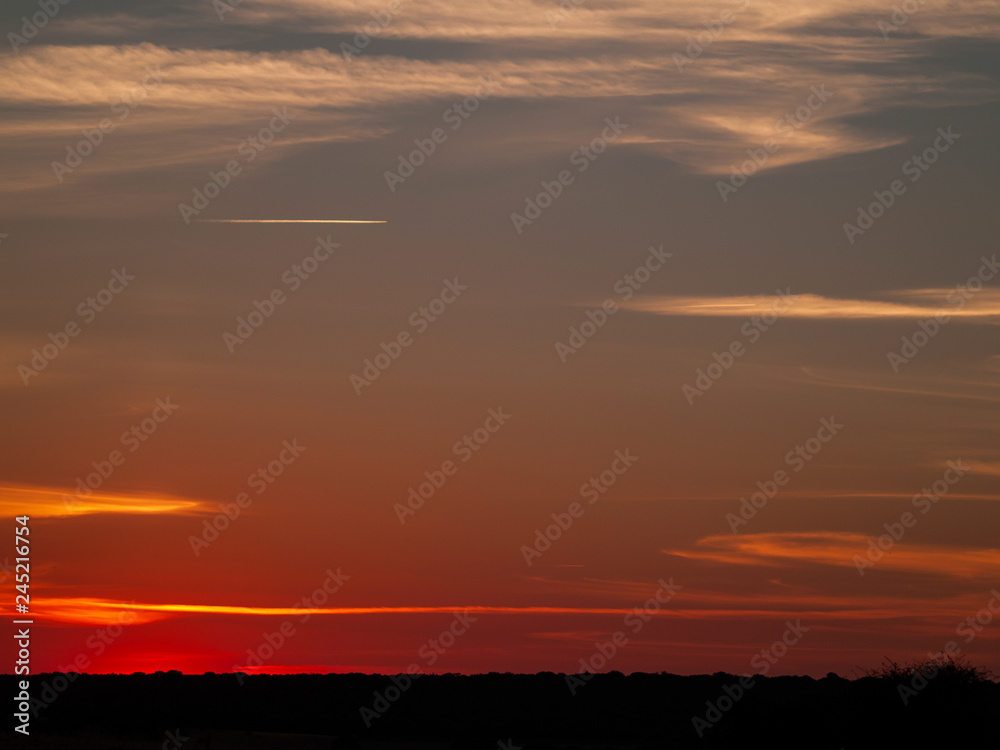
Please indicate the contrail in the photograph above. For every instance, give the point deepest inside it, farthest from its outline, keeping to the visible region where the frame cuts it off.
(290, 221)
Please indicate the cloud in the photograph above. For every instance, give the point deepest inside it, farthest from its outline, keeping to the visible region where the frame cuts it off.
(47, 502)
(992, 468)
(221, 79)
(92, 611)
(953, 387)
(641, 20)
(984, 307)
(86, 610)
(838, 549)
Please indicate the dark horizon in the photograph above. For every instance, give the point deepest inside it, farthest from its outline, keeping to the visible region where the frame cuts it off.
(527, 710)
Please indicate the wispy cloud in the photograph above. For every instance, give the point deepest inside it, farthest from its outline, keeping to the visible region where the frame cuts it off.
(966, 387)
(838, 549)
(48, 502)
(916, 303)
(761, 67)
(81, 609)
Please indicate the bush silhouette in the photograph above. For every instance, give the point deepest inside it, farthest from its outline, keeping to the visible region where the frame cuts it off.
(944, 670)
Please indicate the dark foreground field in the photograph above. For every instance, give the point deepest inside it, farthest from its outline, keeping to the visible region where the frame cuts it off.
(501, 712)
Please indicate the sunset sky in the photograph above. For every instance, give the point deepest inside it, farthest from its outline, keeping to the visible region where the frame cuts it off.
(600, 271)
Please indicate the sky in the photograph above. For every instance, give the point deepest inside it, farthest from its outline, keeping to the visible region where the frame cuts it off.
(467, 337)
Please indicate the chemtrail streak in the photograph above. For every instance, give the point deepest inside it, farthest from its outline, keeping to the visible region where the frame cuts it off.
(292, 221)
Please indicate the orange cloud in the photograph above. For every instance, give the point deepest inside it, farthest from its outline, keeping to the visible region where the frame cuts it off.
(701, 605)
(47, 502)
(79, 609)
(984, 305)
(838, 549)
(92, 611)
